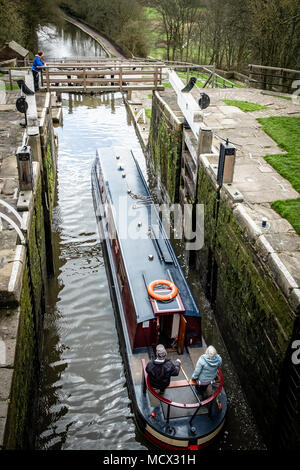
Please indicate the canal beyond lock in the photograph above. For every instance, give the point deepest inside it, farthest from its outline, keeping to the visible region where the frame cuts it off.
(83, 398)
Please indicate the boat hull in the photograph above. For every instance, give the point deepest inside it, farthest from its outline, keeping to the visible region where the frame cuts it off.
(177, 434)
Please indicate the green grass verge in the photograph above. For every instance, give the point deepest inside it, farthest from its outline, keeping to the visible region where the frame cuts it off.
(285, 131)
(15, 86)
(245, 106)
(166, 84)
(148, 113)
(290, 210)
(7, 85)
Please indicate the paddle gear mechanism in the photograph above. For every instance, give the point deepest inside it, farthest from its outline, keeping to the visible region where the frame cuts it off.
(190, 85)
(204, 101)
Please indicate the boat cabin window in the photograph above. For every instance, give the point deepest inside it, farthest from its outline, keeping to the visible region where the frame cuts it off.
(171, 306)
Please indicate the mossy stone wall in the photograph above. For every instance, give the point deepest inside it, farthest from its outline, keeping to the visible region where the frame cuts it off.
(253, 315)
(30, 323)
(256, 320)
(21, 411)
(24, 376)
(37, 250)
(165, 141)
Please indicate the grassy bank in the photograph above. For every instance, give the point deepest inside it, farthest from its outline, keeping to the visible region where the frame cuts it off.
(285, 131)
(245, 106)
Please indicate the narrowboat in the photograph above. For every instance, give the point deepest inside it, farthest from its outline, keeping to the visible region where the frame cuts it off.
(153, 304)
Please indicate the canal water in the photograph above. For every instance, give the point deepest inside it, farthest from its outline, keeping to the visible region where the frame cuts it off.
(83, 398)
(67, 41)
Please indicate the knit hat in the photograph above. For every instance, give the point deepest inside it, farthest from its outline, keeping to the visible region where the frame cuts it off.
(211, 352)
(160, 351)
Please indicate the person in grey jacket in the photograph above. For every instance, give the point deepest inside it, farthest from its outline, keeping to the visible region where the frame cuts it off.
(207, 368)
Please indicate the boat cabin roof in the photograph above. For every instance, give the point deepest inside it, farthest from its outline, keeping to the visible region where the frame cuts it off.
(146, 251)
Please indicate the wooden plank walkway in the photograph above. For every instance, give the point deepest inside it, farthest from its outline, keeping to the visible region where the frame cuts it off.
(102, 75)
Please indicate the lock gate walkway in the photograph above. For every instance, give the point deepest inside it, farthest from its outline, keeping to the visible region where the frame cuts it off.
(104, 75)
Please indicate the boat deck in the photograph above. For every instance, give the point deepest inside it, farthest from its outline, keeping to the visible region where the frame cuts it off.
(188, 360)
(177, 394)
(173, 422)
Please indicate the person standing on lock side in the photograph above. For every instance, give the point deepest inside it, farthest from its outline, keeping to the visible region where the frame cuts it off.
(38, 62)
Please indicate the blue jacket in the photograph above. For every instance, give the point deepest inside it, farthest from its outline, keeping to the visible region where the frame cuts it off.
(206, 368)
(37, 62)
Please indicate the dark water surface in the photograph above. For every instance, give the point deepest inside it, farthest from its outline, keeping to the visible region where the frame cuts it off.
(84, 402)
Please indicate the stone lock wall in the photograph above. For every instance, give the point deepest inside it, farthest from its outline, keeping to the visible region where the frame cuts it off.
(21, 314)
(254, 317)
(165, 142)
(26, 321)
(257, 321)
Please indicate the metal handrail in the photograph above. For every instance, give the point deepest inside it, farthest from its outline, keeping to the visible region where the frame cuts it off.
(13, 210)
(14, 225)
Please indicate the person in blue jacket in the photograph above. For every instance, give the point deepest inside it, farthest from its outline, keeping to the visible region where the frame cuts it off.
(38, 62)
(207, 368)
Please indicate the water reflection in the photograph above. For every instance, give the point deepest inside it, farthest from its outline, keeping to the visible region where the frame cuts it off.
(84, 401)
(67, 41)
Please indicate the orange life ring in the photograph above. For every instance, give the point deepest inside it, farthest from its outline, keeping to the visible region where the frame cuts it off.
(171, 295)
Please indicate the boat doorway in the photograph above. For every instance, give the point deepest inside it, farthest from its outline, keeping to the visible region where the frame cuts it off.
(172, 331)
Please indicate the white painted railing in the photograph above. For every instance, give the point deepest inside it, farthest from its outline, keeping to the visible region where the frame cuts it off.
(14, 225)
(187, 103)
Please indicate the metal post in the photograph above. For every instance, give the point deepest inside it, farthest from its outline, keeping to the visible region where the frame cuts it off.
(226, 163)
(120, 77)
(196, 411)
(10, 80)
(24, 161)
(84, 79)
(210, 407)
(168, 413)
(205, 140)
(155, 77)
(250, 74)
(48, 79)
